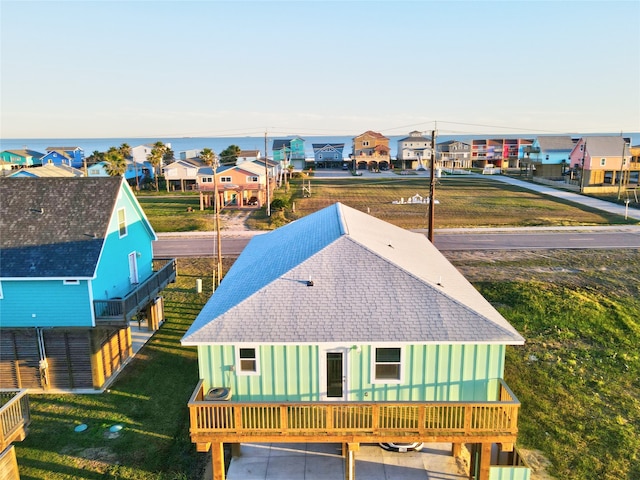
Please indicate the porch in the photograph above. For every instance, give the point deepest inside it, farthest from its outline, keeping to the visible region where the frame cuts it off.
(118, 312)
(214, 423)
(14, 416)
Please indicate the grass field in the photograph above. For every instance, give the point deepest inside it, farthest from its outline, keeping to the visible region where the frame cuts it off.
(578, 375)
(463, 202)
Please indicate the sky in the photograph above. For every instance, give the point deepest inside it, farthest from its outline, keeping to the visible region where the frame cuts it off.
(107, 69)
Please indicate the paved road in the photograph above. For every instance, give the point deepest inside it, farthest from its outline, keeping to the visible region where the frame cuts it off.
(203, 245)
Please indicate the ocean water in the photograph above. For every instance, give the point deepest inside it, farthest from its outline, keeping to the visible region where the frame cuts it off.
(218, 144)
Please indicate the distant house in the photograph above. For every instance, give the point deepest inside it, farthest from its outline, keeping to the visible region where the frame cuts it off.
(48, 170)
(69, 156)
(71, 286)
(238, 185)
(307, 347)
(549, 154)
(371, 150)
(500, 152)
(182, 174)
(328, 155)
(248, 156)
(140, 157)
(22, 158)
(454, 154)
(289, 151)
(414, 151)
(600, 162)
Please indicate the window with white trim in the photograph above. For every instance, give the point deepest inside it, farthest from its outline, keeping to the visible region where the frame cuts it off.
(603, 162)
(252, 178)
(206, 179)
(71, 282)
(247, 361)
(387, 365)
(225, 179)
(122, 222)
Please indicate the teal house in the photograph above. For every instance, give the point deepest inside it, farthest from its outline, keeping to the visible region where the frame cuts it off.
(76, 268)
(358, 332)
(289, 151)
(22, 158)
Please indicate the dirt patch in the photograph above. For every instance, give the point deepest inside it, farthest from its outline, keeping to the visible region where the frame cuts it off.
(234, 220)
(618, 270)
(538, 464)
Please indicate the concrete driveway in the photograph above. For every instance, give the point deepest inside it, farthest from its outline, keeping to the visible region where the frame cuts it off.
(323, 461)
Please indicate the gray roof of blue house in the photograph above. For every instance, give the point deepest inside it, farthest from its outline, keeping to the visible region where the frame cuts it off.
(372, 282)
(54, 227)
(550, 143)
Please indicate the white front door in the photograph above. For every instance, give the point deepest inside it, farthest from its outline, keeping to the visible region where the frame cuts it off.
(333, 374)
(133, 268)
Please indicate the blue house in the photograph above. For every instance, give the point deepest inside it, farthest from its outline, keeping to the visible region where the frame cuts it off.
(69, 156)
(550, 154)
(76, 267)
(328, 155)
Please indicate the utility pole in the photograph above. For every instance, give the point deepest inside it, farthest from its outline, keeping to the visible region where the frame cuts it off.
(266, 173)
(622, 176)
(432, 185)
(216, 208)
(584, 153)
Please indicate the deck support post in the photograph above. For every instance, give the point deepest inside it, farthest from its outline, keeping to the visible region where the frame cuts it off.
(456, 449)
(485, 461)
(348, 450)
(217, 460)
(235, 450)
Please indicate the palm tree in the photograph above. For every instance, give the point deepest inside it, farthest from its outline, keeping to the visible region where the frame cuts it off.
(155, 158)
(208, 156)
(125, 151)
(116, 164)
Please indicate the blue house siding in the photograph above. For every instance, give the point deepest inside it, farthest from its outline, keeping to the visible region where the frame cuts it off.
(113, 269)
(292, 373)
(45, 303)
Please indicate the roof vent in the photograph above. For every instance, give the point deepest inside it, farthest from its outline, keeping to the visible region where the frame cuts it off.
(309, 282)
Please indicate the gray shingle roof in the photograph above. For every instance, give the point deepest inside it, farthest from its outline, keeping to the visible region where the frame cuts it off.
(54, 227)
(555, 143)
(372, 282)
(606, 146)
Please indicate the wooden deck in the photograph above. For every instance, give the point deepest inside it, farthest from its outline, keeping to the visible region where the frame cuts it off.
(354, 422)
(14, 416)
(120, 311)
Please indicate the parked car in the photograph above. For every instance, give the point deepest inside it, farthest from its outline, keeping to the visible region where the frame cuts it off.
(403, 447)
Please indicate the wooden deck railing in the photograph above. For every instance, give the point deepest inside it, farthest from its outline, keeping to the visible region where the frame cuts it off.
(120, 311)
(230, 421)
(14, 416)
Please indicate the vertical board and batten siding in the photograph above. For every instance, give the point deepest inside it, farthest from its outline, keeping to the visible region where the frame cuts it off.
(294, 377)
(112, 278)
(45, 303)
(509, 473)
(291, 373)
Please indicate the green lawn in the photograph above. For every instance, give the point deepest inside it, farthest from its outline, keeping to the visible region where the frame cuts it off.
(149, 399)
(578, 375)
